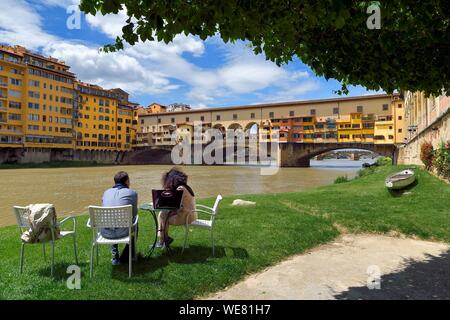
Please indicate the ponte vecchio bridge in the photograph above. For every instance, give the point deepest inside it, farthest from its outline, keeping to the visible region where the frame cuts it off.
(306, 128)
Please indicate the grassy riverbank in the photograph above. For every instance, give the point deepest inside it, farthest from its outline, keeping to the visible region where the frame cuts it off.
(54, 164)
(248, 239)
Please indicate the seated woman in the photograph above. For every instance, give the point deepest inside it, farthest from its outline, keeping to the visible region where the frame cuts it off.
(176, 180)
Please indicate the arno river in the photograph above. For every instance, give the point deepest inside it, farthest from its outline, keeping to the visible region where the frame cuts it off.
(72, 190)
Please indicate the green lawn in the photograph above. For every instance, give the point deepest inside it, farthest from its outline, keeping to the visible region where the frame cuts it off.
(248, 239)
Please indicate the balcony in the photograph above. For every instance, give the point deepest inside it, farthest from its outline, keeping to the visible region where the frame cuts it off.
(369, 117)
(10, 140)
(384, 118)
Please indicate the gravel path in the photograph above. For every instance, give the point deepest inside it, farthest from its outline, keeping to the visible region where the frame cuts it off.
(409, 269)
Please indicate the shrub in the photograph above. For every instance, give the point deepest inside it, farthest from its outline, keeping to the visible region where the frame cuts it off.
(384, 161)
(365, 172)
(341, 179)
(441, 159)
(426, 154)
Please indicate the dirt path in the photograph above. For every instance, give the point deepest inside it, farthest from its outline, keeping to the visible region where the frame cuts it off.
(410, 269)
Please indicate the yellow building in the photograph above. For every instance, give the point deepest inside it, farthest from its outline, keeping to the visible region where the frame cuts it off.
(356, 127)
(43, 107)
(36, 95)
(126, 127)
(95, 118)
(389, 129)
(104, 121)
(349, 119)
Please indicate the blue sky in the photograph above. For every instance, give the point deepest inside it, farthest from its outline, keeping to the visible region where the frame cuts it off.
(200, 73)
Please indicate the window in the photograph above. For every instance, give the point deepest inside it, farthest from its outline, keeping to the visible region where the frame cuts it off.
(172, 120)
(271, 115)
(252, 115)
(33, 105)
(142, 121)
(33, 94)
(33, 127)
(360, 109)
(218, 117)
(235, 116)
(313, 112)
(399, 106)
(15, 105)
(400, 118)
(202, 118)
(291, 113)
(159, 120)
(33, 117)
(14, 93)
(385, 107)
(15, 82)
(14, 116)
(187, 119)
(400, 130)
(33, 83)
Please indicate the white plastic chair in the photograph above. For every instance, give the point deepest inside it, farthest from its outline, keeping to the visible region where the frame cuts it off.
(204, 224)
(111, 217)
(22, 222)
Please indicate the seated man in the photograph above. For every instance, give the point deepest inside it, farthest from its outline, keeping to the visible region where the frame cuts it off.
(120, 195)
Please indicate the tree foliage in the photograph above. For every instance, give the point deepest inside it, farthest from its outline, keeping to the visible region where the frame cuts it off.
(411, 50)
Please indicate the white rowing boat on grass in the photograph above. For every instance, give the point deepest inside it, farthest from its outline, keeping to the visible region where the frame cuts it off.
(400, 179)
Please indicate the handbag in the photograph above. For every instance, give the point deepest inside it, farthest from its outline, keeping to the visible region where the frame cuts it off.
(167, 199)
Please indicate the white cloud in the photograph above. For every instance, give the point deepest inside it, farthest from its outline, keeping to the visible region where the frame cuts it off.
(110, 24)
(110, 70)
(154, 67)
(21, 24)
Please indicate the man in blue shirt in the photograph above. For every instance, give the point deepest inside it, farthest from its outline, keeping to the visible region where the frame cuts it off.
(120, 195)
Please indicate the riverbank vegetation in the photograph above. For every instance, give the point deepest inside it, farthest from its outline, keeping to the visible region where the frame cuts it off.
(437, 161)
(54, 164)
(248, 239)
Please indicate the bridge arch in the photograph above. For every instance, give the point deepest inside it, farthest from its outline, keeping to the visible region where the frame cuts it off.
(300, 154)
(235, 126)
